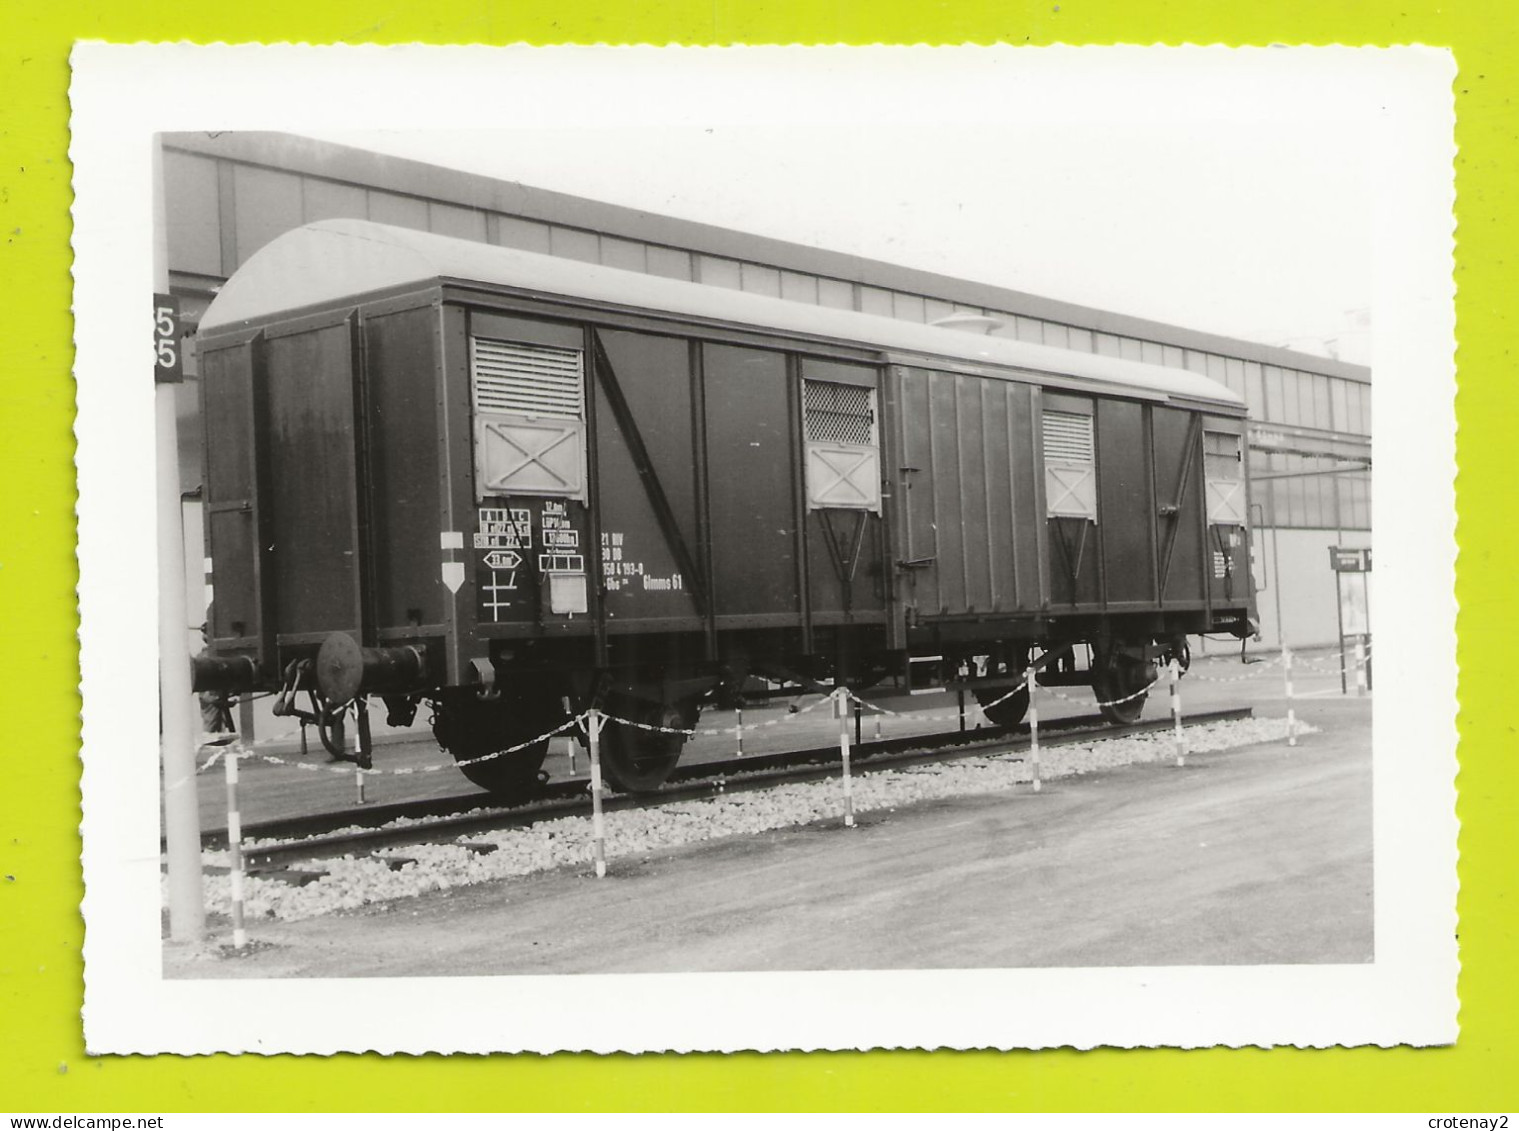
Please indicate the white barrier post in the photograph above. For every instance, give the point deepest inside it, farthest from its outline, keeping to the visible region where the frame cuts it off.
(569, 737)
(841, 709)
(235, 848)
(358, 771)
(1033, 724)
(363, 745)
(738, 730)
(1291, 710)
(1360, 666)
(593, 724)
(1181, 741)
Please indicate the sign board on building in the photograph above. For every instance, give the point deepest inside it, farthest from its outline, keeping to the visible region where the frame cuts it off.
(169, 364)
(1344, 559)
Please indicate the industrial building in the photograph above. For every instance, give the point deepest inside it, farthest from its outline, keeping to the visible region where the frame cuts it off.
(227, 195)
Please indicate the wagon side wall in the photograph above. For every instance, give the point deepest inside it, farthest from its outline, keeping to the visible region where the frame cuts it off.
(238, 616)
(342, 486)
(984, 548)
(324, 452)
(695, 525)
(969, 501)
(405, 458)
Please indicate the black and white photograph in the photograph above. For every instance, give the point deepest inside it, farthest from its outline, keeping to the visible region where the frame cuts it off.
(756, 549)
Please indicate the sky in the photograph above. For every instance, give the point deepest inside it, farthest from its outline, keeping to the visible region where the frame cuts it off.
(1241, 208)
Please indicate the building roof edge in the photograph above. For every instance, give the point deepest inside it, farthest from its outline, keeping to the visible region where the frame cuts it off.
(407, 176)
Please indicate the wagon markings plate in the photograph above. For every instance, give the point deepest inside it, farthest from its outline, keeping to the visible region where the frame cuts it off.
(503, 559)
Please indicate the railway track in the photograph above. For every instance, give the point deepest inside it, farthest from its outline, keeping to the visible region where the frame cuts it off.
(454, 819)
(316, 824)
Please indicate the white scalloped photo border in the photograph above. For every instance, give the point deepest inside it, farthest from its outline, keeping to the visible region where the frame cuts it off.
(1396, 102)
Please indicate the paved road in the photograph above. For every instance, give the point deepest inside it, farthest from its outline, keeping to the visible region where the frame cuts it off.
(1256, 856)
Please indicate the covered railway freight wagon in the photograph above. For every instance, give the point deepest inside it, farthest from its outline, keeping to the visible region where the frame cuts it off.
(512, 486)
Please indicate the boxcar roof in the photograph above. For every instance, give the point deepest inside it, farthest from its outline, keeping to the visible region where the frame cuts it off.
(336, 260)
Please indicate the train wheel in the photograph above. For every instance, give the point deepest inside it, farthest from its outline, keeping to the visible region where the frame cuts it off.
(634, 760)
(1118, 682)
(1002, 709)
(472, 728)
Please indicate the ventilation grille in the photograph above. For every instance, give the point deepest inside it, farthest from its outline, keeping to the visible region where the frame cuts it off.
(527, 380)
(1221, 444)
(1067, 437)
(840, 414)
(1221, 455)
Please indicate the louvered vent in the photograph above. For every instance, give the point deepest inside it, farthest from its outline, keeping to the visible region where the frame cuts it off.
(840, 414)
(1070, 473)
(527, 380)
(1067, 437)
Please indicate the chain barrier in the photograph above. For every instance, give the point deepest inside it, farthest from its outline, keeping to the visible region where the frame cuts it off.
(221, 750)
(1023, 684)
(1261, 666)
(560, 729)
(1336, 658)
(1332, 664)
(1145, 690)
(715, 731)
(246, 750)
(404, 771)
(950, 716)
(252, 750)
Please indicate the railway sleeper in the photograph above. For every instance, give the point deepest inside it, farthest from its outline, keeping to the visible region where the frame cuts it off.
(296, 877)
(299, 877)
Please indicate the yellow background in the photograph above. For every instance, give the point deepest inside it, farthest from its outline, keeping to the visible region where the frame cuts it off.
(42, 1062)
